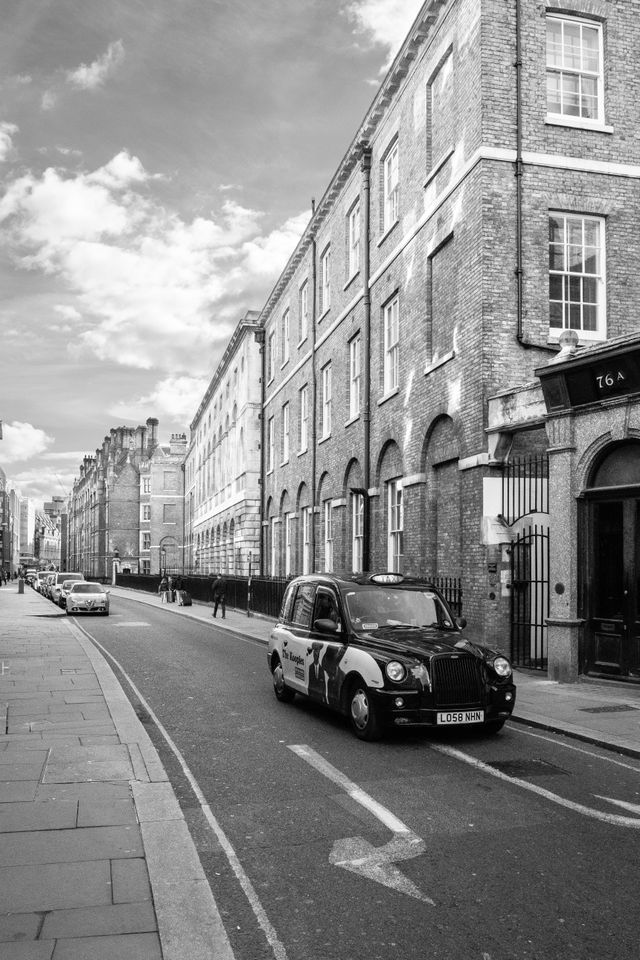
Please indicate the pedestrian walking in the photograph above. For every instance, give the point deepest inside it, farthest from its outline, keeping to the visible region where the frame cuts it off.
(170, 595)
(218, 595)
(163, 590)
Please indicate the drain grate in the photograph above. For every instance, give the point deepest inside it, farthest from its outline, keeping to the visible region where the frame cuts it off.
(526, 768)
(609, 708)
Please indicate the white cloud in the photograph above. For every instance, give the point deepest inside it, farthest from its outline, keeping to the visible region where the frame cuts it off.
(93, 75)
(49, 100)
(387, 22)
(175, 398)
(153, 290)
(7, 131)
(22, 441)
(67, 312)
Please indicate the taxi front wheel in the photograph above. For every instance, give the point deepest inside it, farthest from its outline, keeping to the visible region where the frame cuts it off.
(282, 692)
(363, 712)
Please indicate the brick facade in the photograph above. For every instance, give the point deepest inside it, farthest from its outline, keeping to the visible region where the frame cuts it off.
(467, 258)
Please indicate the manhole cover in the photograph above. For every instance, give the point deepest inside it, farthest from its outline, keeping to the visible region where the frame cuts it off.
(526, 768)
(609, 708)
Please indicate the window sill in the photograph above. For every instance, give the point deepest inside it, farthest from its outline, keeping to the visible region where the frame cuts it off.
(283, 463)
(436, 364)
(577, 123)
(353, 419)
(301, 453)
(284, 363)
(387, 232)
(584, 336)
(300, 342)
(324, 439)
(388, 396)
(351, 279)
(324, 313)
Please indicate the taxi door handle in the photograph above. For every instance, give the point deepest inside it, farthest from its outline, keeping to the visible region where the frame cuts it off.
(285, 643)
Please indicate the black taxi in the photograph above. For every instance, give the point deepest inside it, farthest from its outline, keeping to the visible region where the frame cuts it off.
(385, 650)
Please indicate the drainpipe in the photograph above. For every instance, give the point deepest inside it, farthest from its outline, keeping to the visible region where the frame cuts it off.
(365, 167)
(259, 336)
(518, 171)
(314, 394)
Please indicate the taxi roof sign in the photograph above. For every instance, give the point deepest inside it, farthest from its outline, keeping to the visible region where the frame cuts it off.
(387, 578)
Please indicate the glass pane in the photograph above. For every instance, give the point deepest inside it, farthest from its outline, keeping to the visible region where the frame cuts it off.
(556, 256)
(574, 317)
(589, 317)
(590, 290)
(572, 45)
(554, 43)
(590, 49)
(575, 289)
(570, 95)
(591, 264)
(574, 230)
(553, 93)
(555, 315)
(591, 232)
(556, 229)
(574, 255)
(555, 287)
(589, 100)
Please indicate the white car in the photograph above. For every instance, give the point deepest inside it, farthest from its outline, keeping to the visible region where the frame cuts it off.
(87, 598)
(59, 577)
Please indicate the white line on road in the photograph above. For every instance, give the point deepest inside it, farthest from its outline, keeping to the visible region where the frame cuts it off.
(354, 791)
(614, 819)
(259, 912)
(514, 728)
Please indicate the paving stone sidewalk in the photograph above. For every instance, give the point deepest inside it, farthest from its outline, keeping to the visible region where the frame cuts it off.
(96, 860)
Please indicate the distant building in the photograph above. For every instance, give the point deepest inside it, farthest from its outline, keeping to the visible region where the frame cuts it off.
(27, 525)
(126, 507)
(222, 466)
(46, 540)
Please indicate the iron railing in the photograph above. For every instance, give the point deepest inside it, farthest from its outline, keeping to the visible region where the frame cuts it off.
(525, 487)
(530, 598)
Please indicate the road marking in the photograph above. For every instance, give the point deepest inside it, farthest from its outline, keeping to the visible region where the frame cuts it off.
(634, 807)
(611, 818)
(357, 854)
(514, 728)
(259, 912)
(131, 623)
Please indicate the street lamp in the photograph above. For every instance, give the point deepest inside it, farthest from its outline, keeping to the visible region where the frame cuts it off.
(163, 554)
(114, 565)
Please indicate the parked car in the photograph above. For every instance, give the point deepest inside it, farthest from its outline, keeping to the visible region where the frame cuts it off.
(66, 586)
(85, 597)
(385, 650)
(45, 589)
(39, 580)
(55, 588)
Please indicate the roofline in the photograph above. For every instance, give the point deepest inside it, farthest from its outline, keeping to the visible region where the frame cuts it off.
(419, 32)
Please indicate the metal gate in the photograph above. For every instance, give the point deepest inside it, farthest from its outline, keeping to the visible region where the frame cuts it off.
(530, 597)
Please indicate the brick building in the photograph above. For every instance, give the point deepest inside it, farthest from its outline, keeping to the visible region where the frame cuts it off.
(485, 206)
(222, 466)
(127, 505)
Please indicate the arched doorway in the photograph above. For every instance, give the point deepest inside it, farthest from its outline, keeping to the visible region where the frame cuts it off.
(611, 584)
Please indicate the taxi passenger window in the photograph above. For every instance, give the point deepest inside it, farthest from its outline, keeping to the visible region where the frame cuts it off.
(326, 607)
(303, 605)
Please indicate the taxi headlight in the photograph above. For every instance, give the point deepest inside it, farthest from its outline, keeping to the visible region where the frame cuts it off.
(501, 666)
(396, 671)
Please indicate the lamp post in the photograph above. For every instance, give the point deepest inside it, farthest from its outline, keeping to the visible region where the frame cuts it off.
(163, 556)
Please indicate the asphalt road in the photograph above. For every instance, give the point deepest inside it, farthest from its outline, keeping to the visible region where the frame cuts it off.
(522, 846)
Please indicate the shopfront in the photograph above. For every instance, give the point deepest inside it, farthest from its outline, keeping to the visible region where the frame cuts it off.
(592, 398)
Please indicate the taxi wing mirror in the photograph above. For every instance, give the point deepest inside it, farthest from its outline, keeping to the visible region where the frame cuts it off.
(461, 622)
(325, 625)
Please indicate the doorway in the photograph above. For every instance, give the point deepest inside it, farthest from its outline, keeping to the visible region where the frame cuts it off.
(611, 584)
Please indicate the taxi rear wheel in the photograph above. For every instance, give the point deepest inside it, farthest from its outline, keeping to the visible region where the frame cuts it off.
(363, 713)
(281, 690)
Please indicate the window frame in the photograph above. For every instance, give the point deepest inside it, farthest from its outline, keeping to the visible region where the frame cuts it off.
(327, 390)
(271, 445)
(285, 345)
(568, 275)
(581, 73)
(286, 423)
(390, 184)
(395, 524)
(306, 539)
(355, 375)
(271, 355)
(303, 402)
(391, 348)
(357, 532)
(303, 299)
(325, 280)
(353, 240)
(328, 535)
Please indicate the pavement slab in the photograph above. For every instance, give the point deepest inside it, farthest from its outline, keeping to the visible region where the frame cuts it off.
(48, 815)
(136, 946)
(70, 846)
(113, 919)
(33, 950)
(51, 886)
(130, 880)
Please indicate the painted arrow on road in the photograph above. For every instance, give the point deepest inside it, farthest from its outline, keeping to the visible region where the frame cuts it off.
(357, 854)
(376, 863)
(633, 807)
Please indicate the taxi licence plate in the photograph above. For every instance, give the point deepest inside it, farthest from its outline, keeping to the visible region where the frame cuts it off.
(460, 716)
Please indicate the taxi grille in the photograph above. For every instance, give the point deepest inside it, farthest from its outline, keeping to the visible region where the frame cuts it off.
(457, 681)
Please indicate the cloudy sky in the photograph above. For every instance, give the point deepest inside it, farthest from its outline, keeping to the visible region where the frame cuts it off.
(157, 163)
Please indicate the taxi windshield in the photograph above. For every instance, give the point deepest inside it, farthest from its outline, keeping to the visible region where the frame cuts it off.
(378, 607)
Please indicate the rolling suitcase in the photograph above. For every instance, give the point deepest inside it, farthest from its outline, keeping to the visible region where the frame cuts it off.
(184, 598)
